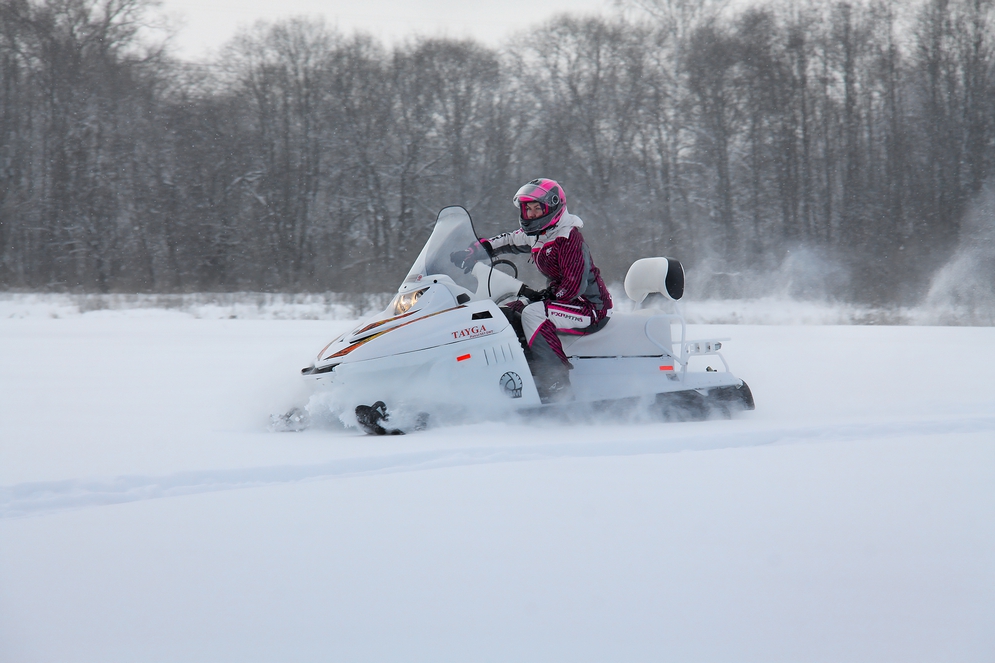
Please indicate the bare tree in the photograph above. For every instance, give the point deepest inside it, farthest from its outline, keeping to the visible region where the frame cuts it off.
(730, 135)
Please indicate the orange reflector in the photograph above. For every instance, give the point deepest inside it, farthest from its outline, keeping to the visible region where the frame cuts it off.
(462, 357)
(666, 368)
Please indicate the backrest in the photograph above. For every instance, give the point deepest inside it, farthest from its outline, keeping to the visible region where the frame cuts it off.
(655, 275)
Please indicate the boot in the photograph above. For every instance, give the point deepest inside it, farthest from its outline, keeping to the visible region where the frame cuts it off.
(551, 375)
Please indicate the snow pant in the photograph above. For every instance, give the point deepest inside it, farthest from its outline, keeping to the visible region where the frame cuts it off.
(537, 325)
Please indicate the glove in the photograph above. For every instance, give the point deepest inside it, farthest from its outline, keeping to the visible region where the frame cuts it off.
(535, 295)
(470, 256)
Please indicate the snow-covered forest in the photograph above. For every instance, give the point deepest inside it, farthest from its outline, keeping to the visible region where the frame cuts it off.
(849, 139)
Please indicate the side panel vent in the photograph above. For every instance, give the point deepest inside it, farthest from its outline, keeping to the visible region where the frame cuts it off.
(499, 354)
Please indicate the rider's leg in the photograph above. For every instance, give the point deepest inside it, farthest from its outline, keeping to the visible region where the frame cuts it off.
(513, 312)
(549, 364)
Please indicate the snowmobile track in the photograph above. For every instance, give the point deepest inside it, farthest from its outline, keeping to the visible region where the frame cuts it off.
(39, 498)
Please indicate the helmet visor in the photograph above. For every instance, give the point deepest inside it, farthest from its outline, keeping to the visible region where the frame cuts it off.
(533, 209)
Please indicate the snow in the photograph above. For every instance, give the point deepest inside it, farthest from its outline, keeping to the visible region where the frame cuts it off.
(147, 512)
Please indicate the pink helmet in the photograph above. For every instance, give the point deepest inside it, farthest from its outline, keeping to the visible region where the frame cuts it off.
(547, 193)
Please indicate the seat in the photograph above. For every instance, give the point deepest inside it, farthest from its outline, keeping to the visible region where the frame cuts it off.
(623, 336)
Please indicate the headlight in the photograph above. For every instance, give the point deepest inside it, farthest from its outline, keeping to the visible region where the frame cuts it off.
(404, 301)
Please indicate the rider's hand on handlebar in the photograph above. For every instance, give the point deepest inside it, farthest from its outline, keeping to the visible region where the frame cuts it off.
(462, 259)
(535, 295)
(470, 256)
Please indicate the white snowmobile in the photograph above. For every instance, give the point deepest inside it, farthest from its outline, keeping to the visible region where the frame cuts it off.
(444, 351)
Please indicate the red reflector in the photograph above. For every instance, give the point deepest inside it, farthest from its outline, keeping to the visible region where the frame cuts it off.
(462, 357)
(666, 368)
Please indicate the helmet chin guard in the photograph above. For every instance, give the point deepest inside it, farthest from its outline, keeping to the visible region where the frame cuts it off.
(547, 193)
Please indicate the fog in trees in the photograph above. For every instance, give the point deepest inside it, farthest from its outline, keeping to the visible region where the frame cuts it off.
(816, 149)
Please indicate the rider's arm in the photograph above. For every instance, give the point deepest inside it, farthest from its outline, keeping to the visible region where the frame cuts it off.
(516, 242)
(488, 248)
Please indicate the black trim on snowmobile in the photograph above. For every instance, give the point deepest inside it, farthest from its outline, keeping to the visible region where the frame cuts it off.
(311, 370)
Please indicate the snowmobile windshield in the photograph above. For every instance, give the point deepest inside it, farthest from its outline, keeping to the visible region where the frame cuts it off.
(453, 232)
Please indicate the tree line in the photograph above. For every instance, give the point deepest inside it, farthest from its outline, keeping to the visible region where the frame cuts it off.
(302, 159)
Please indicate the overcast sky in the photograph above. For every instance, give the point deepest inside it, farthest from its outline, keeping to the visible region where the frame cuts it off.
(205, 25)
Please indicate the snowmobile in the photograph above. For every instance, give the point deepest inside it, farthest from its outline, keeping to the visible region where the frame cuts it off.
(444, 350)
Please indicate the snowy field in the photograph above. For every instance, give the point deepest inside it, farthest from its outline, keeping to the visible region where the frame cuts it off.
(148, 514)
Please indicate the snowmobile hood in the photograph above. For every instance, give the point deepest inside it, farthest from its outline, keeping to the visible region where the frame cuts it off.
(437, 304)
(419, 330)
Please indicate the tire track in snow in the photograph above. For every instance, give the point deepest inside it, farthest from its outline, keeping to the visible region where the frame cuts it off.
(38, 498)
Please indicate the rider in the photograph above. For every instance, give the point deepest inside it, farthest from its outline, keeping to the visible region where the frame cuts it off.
(575, 300)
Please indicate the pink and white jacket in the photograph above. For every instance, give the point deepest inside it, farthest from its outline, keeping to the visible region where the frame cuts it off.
(563, 257)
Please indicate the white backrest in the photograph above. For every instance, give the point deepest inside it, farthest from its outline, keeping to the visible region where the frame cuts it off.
(650, 275)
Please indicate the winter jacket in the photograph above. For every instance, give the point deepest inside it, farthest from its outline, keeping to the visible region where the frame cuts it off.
(563, 257)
